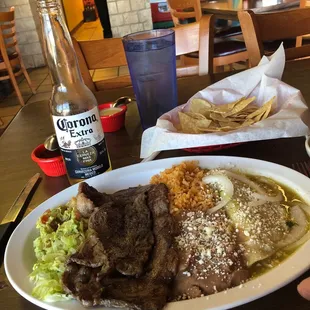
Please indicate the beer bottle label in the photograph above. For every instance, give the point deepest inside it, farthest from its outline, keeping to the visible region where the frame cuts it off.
(82, 144)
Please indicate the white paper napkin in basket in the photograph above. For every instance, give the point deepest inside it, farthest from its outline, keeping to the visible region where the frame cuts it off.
(264, 82)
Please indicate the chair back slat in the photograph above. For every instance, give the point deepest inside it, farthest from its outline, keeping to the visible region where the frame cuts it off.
(296, 53)
(10, 53)
(9, 35)
(7, 16)
(7, 30)
(180, 9)
(105, 53)
(302, 4)
(259, 28)
(11, 44)
(7, 26)
(284, 24)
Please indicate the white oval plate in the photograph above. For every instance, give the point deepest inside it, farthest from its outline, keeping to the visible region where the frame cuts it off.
(19, 255)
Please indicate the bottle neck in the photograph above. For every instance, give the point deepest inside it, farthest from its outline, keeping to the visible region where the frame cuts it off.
(60, 55)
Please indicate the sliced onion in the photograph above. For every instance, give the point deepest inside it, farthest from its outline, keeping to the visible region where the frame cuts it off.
(298, 230)
(261, 194)
(271, 183)
(298, 243)
(306, 237)
(306, 208)
(245, 180)
(226, 187)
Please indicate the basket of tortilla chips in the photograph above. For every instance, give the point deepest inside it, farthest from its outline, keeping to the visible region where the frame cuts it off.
(204, 116)
(248, 106)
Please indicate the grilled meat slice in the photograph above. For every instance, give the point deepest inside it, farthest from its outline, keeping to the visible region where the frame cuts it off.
(136, 234)
(126, 234)
(127, 196)
(144, 293)
(164, 261)
(80, 281)
(91, 254)
(88, 199)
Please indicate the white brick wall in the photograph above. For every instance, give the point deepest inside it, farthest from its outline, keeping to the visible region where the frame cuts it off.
(147, 4)
(124, 30)
(112, 8)
(116, 20)
(39, 60)
(31, 49)
(148, 25)
(123, 6)
(15, 3)
(128, 16)
(136, 27)
(23, 11)
(24, 24)
(27, 37)
(143, 15)
(28, 61)
(137, 4)
(27, 31)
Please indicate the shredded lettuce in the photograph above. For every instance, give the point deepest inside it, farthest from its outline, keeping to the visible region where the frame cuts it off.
(61, 232)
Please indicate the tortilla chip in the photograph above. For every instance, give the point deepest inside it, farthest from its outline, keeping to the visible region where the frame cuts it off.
(191, 124)
(263, 108)
(224, 108)
(239, 107)
(200, 106)
(247, 123)
(205, 117)
(267, 113)
(194, 115)
(230, 124)
(220, 118)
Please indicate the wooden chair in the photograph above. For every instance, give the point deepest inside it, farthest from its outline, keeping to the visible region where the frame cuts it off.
(226, 51)
(101, 54)
(9, 61)
(258, 28)
(191, 9)
(107, 53)
(302, 4)
(196, 37)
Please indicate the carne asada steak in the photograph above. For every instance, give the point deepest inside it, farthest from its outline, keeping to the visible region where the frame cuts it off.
(128, 259)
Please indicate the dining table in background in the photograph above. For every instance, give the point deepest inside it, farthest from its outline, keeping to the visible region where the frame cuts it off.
(33, 124)
(228, 9)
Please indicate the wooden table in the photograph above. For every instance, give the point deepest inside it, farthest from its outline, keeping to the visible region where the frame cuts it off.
(228, 9)
(32, 124)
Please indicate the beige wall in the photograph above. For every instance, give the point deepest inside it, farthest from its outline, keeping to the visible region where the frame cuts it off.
(73, 12)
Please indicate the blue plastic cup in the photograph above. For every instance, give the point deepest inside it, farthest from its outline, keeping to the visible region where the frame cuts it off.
(151, 60)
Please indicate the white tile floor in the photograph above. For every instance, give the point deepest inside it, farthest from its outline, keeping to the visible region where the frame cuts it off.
(89, 31)
(10, 105)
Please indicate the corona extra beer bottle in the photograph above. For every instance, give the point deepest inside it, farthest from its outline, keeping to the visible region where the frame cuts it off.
(73, 106)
